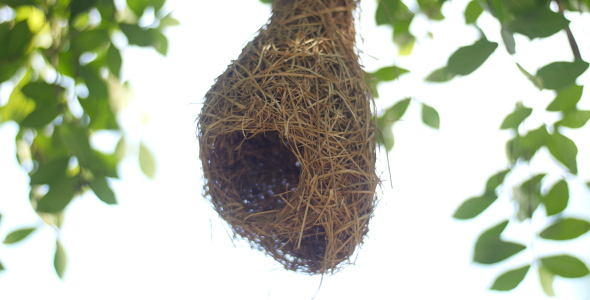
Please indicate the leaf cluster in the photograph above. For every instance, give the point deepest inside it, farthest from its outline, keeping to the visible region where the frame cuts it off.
(80, 43)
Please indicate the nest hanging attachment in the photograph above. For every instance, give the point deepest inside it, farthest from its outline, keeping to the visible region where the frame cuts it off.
(287, 138)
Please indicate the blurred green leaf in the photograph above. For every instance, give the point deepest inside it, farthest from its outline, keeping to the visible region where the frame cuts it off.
(121, 149)
(566, 99)
(139, 6)
(537, 23)
(495, 181)
(556, 199)
(18, 235)
(16, 3)
(266, 1)
(490, 249)
(431, 8)
(565, 229)
(97, 87)
(513, 120)
(565, 266)
(546, 279)
(430, 116)
(528, 196)
(104, 165)
(440, 75)
(508, 39)
(147, 162)
(1, 267)
(90, 40)
(564, 150)
(526, 146)
(574, 119)
(41, 117)
(468, 58)
(42, 93)
(474, 206)
(60, 260)
(389, 73)
(511, 279)
(60, 194)
(15, 40)
(114, 60)
(102, 190)
(395, 112)
(561, 74)
(101, 114)
(79, 6)
(76, 138)
(472, 12)
(535, 80)
(392, 11)
(50, 171)
(169, 21)
(160, 43)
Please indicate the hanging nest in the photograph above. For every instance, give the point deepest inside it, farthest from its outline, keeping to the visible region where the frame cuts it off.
(287, 138)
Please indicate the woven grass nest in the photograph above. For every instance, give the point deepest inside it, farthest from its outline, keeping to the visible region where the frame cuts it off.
(287, 138)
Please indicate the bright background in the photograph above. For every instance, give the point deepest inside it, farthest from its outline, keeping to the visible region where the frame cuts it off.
(163, 241)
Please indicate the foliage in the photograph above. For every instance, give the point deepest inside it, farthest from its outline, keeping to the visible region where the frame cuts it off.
(63, 61)
(534, 19)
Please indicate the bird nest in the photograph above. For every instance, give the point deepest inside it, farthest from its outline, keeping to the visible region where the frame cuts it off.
(287, 138)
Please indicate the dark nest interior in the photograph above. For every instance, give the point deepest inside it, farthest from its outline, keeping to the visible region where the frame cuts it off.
(287, 139)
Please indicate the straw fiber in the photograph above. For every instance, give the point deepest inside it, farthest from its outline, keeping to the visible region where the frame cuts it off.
(287, 139)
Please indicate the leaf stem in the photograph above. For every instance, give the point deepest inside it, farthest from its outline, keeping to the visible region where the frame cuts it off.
(570, 36)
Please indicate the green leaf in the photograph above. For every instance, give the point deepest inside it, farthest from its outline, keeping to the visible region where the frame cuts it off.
(60, 260)
(538, 23)
(139, 36)
(556, 199)
(490, 249)
(59, 196)
(0, 218)
(513, 120)
(430, 116)
(511, 279)
(561, 74)
(535, 80)
(76, 138)
(79, 6)
(395, 112)
(147, 162)
(574, 119)
(17, 3)
(391, 12)
(103, 191)
(169, 21)
(508, 39)
(114, 60)
(528, 196)
(389, 73)
(266, 1)
(472, 12)
(90, 40)
(440, 75)
(564, 150)
(160, 43)
(546, 279)
(565, 266)
(566, 99)
(565, 229)
(472, 207)
(139, 6)
(97, 87)
(104, 165)
(18, 235)
(1, 267)
(468, 58)
(495, 181)
(44, 94)
(16, 41)
(41, 117)
(50, 171)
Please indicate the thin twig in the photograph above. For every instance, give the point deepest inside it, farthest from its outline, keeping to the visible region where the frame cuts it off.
(570, 36)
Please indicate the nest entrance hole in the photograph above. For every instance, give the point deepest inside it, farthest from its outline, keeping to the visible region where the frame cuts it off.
(262, 170)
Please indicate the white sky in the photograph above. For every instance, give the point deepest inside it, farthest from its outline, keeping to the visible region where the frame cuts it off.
(163, 241)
